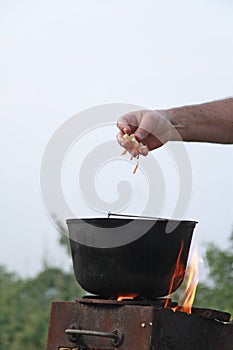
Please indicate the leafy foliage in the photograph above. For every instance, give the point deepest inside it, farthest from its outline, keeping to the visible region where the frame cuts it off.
(217, 294)
(25, 305)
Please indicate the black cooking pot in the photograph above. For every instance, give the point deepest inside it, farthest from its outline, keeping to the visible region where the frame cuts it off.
(143, 266)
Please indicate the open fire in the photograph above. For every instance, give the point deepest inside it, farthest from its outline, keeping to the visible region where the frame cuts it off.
(190, 285)
(191, 282)
(179, 270)
(126, 297)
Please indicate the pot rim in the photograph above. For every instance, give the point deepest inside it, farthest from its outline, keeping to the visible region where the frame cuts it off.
(131, 218)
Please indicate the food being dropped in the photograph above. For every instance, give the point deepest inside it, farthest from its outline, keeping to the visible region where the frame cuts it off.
(135, 148)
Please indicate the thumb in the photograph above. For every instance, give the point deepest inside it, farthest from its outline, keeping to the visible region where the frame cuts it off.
(143, 129)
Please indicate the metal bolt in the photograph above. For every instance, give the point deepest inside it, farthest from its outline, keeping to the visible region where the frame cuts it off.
(143, 325)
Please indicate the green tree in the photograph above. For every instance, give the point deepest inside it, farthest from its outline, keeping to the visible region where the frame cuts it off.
(25, 305)
(217, 293)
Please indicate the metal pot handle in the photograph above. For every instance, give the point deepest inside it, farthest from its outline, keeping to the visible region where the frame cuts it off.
(134, 216)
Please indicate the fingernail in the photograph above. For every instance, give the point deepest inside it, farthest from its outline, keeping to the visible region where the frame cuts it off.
(138, 136)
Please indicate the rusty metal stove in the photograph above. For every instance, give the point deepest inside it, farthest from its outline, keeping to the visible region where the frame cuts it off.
(143, 267)
(105, 324)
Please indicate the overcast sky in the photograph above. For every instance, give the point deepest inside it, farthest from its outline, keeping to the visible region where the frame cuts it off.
(58, 58)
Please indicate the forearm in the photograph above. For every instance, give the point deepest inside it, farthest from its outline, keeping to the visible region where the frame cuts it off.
(207, 122)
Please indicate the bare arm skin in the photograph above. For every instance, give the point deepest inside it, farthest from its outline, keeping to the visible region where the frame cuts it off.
(207, 122)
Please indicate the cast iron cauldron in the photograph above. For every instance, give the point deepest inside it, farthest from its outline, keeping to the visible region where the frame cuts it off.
(144, 266)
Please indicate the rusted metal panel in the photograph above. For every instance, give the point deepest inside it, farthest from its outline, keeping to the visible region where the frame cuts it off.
(212, 314)
(178, 331)
(133, 321)
(143, 328)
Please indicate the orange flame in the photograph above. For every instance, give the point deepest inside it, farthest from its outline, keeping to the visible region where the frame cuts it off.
(179, 270)
(191, 284)
(126, 297)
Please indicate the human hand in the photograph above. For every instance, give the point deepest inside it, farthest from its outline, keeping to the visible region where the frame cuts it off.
(149, 127)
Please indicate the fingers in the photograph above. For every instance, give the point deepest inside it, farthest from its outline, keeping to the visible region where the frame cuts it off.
(135, 152)
(123, 125)
(128, 123)
(144, 128)
(145, 151)
(138, 122)
(121, 140)
(151, 128)
(125, 144)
